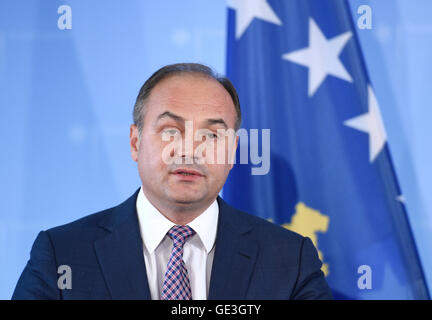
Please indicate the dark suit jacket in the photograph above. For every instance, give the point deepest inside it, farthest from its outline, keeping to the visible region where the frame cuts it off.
(254, 259)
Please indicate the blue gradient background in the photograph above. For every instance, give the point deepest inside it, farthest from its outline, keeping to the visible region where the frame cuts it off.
(66, 99)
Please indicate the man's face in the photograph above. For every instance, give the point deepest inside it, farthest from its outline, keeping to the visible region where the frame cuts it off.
(174, 105)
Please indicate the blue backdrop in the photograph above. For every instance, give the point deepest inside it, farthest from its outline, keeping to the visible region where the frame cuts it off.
(66, 99)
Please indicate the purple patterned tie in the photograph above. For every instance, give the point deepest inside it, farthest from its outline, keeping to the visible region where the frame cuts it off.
(176, 285)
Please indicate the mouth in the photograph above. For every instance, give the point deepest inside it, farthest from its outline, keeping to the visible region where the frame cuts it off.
(187, 174)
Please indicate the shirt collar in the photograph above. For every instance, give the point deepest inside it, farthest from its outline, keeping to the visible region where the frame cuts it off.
(154, 225)
(205, 225)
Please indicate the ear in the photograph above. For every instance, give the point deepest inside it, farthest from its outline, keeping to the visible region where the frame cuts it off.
(134, 142)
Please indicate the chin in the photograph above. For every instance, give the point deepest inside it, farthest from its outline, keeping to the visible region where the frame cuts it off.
(187, 197)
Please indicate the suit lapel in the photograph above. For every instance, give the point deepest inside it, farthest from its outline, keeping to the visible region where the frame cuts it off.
(235, 256)
(120, 253)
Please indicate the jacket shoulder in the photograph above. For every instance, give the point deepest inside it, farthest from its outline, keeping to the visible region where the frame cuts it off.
(90, 226)
(263, 229)
(89, 222)
(271, 231)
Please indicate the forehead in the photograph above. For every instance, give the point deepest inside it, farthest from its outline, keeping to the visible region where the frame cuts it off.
(191, 96)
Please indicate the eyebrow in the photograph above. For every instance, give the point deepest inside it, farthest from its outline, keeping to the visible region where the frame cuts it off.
(217, 121)
(171, 115)
(177, 118)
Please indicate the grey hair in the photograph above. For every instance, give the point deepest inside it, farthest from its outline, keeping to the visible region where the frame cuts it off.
(176, 69)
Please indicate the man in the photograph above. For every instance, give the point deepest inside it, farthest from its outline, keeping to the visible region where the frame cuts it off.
(175, 238)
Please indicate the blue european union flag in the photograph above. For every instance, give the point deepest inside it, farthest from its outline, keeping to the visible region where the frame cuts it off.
(298, 68)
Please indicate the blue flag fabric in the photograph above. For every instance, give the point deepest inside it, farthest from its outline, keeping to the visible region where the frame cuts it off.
(298, 68)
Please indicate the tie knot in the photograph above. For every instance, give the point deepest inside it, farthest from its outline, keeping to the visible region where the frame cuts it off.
(179, 234)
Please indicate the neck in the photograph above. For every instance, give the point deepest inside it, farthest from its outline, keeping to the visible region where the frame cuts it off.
(180, 213)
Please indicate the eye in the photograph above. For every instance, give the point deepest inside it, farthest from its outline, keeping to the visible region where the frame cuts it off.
(212, 135)
(168, 133)
(171, 131)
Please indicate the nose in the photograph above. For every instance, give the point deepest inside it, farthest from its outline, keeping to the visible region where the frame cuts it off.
(188, 150)
(184, 147)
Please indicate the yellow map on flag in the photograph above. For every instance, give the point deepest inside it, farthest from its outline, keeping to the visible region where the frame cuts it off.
(307, 222)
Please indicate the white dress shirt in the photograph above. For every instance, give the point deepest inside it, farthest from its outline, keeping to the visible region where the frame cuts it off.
(198, 250)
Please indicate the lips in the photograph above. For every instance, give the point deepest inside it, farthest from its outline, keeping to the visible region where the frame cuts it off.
(187, 174)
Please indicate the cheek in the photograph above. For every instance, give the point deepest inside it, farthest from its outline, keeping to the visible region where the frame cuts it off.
(149, 155)
(218, 173)
(224, 152)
